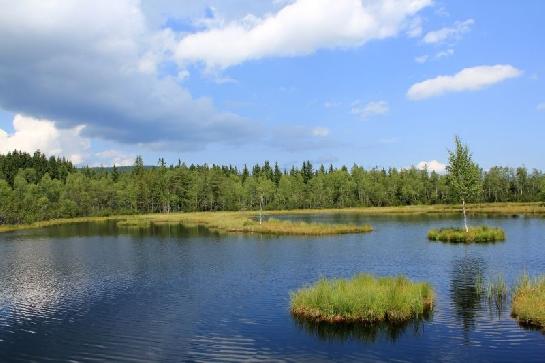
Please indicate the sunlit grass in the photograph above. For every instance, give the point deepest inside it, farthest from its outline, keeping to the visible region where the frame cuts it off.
(364, 298)
(475, 235)
(528, 301)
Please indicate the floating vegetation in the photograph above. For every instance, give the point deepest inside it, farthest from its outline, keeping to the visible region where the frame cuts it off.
(364, 298)
(480, 234)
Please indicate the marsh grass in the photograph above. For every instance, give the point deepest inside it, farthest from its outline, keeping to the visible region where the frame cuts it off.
(364, 298)
(480, 234)
(134, 223)
(495, 290)
(528, 301)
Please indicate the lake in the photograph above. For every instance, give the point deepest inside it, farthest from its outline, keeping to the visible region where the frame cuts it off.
(92, 291)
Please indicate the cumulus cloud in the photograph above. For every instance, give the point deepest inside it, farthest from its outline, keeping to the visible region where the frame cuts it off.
(299, 28)
(373, 108)
(94, 63)
(432, 165)
(468, 79)
(448, 33)
(32, 134)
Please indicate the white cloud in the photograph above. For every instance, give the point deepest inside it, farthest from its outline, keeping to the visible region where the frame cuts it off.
(455, 32)
(444, 53)
(432, 165)
(94, 63)
(421, 59)
(32, 134)
(373, 108)
(320, 131)
(114, 157)
(541, 106)
(468, 79)
(300, 28)
(415, 28)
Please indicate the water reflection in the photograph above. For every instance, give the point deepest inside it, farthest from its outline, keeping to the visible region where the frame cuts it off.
(362, 332)
(466, 271)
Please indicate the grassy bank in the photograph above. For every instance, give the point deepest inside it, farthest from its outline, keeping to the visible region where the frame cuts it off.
(364, 298)
(479, 234)
(495, 209)
(528, 301)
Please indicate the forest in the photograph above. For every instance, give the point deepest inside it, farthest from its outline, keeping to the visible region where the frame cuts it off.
(35, 187)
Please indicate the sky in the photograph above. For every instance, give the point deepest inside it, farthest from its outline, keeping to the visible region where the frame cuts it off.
(380, 83)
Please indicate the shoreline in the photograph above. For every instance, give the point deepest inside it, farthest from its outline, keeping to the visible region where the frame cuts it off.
(242, 221)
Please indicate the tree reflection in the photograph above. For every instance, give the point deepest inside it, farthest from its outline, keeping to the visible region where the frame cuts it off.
(463, 290)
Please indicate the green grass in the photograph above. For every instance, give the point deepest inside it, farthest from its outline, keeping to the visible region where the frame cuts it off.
(528, 301)
(475, 235)
(364, 298)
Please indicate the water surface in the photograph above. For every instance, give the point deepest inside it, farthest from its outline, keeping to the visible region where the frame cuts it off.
(88, 292)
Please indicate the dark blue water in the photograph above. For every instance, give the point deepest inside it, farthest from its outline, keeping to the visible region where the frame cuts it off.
(91, 292)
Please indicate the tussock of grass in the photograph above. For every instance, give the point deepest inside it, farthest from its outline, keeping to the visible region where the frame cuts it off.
(475, 235)
(364, 298)
(528, 301)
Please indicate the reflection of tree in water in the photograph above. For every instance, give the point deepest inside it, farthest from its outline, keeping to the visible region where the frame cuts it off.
(463, 291)
(368, 333)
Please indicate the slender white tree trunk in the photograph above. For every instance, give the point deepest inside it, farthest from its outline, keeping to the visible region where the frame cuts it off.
(465, 216)
(261, 209)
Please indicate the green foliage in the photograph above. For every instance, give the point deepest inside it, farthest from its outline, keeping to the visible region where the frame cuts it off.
(463, 175)
(364, 298)
(474, 235)
(528, 301)
(34, 188)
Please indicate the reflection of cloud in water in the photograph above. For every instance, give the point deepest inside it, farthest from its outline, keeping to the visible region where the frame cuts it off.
(55, 281)
(363, 332)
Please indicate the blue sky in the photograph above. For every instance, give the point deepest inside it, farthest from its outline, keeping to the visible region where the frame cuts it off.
(378, 83)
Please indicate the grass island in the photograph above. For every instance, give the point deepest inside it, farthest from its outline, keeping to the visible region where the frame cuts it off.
(364, 298)
(481, 234)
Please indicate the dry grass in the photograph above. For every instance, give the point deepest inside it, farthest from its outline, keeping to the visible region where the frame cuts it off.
(480, 234)
(528, 301)
(364, 298)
